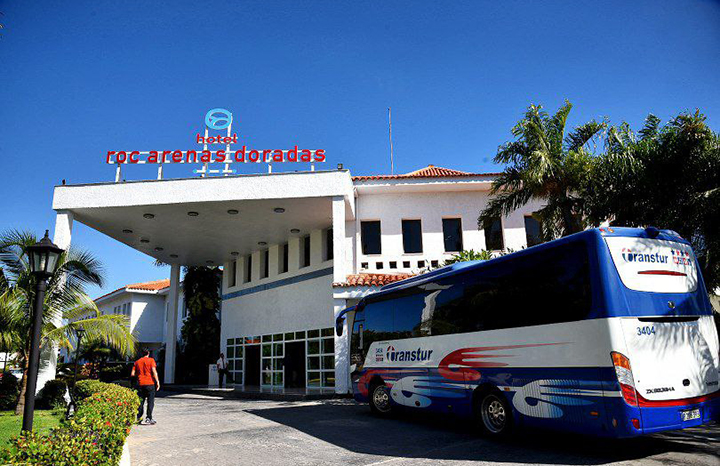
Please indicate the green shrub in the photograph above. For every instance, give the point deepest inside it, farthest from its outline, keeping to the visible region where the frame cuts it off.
(94, 436)
(9, 391)
(110, 374)
(52, 394)
(85, 388)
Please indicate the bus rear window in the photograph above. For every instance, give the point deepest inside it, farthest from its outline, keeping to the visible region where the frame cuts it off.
(654, 265)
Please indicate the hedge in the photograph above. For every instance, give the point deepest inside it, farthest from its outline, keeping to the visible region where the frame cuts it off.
(9, 391)
(52, 395)
(94, 436)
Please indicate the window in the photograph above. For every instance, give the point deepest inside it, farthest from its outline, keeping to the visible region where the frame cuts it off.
(232, 280)
(248, 268)
(393, 265)
(329, 244)
(406, 264)
(379, 265)
(412, 236)
(532, 231)
(265, 264)
(283, 259)
(305, 250)
(452, 234)
(370, 237)
(493, 235)
(538, 289)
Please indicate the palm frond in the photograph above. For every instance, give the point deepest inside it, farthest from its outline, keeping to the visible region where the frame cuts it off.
(576, 139)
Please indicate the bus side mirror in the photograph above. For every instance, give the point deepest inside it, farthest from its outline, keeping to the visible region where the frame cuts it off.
(339, 324)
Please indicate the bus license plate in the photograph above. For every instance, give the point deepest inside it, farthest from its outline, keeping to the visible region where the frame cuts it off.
(690, 414)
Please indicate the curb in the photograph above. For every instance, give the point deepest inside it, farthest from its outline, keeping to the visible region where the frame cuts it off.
(125, 458)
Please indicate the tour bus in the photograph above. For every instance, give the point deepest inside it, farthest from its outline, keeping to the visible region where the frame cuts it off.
(606, 332)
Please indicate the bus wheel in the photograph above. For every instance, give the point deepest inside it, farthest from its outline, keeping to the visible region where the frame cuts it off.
(495, 414)
(380, 404)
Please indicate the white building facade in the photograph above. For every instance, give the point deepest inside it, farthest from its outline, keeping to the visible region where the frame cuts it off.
(296, 249)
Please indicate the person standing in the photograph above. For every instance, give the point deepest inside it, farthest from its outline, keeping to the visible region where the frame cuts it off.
(148, 383)
(221, 368)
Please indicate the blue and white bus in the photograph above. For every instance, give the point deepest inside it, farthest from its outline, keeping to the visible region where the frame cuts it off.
(606, 332)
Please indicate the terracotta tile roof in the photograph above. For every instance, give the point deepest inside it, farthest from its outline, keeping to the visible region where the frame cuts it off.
(156, 285)
(431, 171)
(372, 279)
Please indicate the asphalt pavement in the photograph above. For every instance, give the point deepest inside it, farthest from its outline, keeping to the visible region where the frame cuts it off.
(196, 430)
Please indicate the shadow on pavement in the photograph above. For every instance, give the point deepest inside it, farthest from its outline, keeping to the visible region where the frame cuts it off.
(422, 435)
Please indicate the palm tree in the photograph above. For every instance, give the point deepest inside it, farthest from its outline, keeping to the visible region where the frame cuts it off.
(543, 163)
(66, 306)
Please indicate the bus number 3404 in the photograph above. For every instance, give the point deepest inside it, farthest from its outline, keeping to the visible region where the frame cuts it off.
(646, 330)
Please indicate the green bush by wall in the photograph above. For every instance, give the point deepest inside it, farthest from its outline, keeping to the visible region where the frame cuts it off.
(9, 391)
(52, 395)
(94, 436)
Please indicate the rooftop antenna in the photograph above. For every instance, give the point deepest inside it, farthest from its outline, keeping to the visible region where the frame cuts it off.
(392, 164)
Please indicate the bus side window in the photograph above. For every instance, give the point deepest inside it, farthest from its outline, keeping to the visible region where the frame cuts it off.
(357, 342)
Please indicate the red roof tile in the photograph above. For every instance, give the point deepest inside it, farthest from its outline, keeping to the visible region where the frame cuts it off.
(156, 285)
(431, 171)
(372, 279)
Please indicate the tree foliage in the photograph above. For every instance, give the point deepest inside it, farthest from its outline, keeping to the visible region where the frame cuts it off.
(200, 333)
(469, 255)
(544, 163)
(66, 306)
(666, 176)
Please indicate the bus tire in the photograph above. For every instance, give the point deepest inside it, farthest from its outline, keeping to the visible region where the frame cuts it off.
(380, 404)
(493, 413)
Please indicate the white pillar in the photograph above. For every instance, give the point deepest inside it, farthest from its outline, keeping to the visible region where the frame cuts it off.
(340, 262)
(342, 352)
(171, 329)
(340, 271)
(49, 353)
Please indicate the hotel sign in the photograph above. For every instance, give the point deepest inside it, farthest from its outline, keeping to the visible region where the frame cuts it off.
(217, 119)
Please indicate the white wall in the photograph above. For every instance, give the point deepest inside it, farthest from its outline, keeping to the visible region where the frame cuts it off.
(431, 208)
(147, 319)
(299, 306)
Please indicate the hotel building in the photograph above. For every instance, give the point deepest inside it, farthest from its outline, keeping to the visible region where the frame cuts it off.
(296, 248)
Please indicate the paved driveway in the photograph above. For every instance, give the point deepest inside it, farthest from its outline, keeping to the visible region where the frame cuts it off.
(203, 431)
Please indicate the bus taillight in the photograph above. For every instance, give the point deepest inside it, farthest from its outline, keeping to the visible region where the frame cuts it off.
(625, 378)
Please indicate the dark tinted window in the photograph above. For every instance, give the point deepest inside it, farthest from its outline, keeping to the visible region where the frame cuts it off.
(233, 273)
(532, 231)
(284, 262)
(370, 237)
(543, 288)
(412, 236)
(248, 268)
(306, 252)
(266, 264)
(329, 244)
(452, 234)
(493, 235)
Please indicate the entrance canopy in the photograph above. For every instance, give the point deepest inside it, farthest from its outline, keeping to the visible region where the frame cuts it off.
(201, 221)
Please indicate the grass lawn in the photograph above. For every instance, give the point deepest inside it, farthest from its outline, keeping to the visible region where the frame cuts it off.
(10, 425)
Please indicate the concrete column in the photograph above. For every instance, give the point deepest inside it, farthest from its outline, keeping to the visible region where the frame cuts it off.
(340, 261)
(342, 351)
(49, 353)
(171, 329)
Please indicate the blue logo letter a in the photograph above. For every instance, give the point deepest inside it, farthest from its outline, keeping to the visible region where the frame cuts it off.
(218, 118)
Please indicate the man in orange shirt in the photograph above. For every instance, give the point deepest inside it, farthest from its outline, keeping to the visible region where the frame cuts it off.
(148, 383)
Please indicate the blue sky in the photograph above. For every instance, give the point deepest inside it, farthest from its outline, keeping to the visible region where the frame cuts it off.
(82, 78)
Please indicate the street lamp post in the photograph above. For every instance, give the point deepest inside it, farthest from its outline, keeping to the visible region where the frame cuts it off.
(43, 257)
